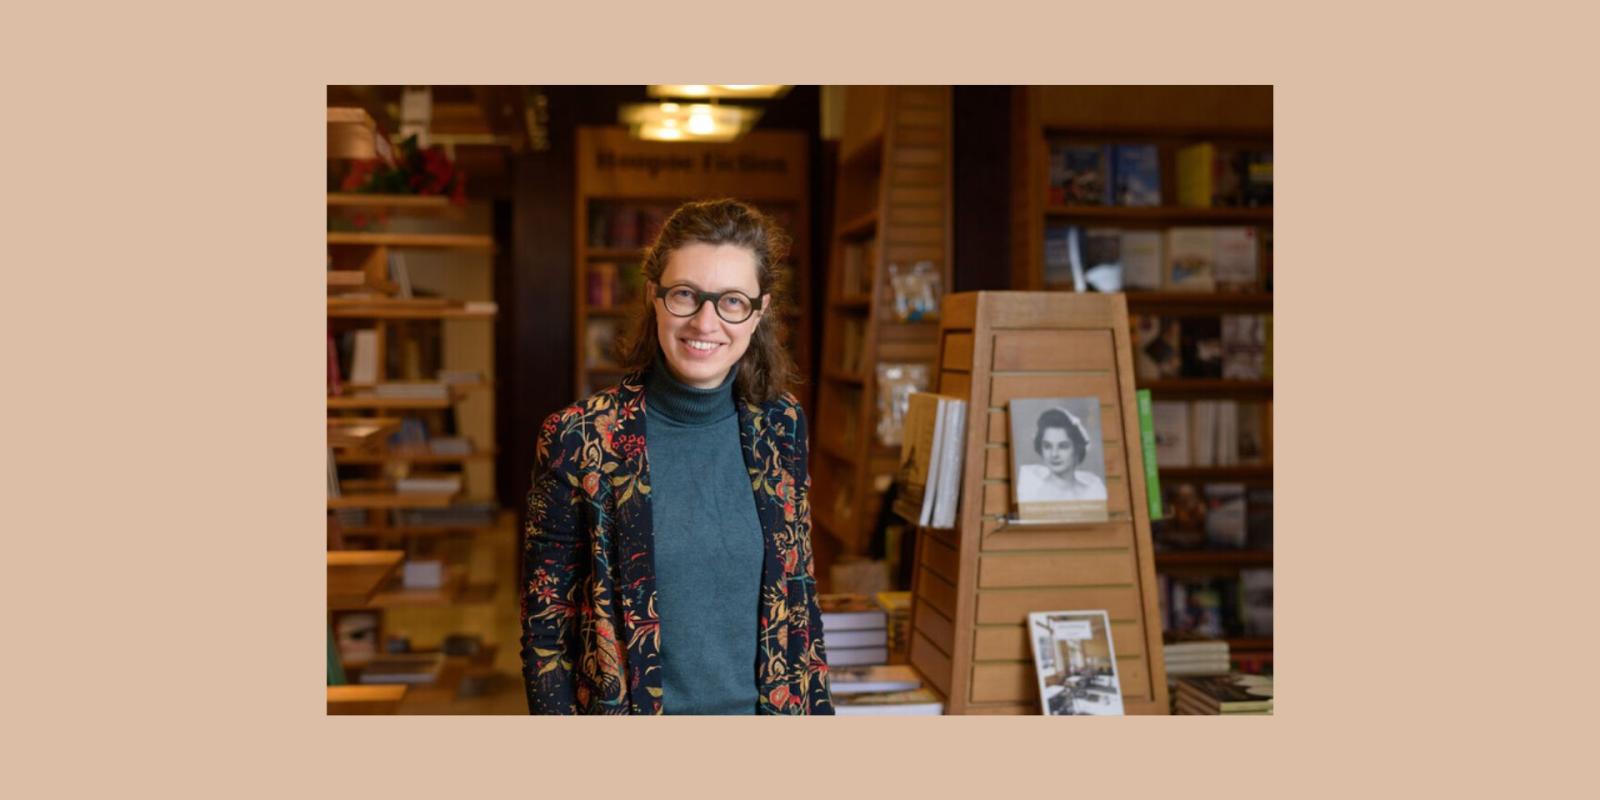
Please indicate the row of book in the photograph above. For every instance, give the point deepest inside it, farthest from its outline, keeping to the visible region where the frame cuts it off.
(1129, 174)
(1218, 606)
(614, 285)
(630, 225)
(1228, 346)
(1178, 259)
(1211, 433)
(1216, 516)
(931, 453)
(626, 225)
(1092, 174)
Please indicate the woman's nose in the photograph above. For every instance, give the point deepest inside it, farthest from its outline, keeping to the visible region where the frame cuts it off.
(705, 318)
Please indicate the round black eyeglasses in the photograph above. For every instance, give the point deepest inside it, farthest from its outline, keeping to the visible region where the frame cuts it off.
(733, 306)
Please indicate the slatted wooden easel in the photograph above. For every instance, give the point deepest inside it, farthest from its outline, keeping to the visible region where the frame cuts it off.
(975, 584)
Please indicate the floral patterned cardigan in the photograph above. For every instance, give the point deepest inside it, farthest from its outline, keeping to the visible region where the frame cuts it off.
(591, 639)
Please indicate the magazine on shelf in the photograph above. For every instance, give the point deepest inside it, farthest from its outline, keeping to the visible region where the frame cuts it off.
(873, 678)
(1075, 663)
(1058, 463)
(911, 702)
(919, 458)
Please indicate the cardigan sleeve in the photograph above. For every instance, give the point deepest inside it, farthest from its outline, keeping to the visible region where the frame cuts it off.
(552, 552)
(819, 699)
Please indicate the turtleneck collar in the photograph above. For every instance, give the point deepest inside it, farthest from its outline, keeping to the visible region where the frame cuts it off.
(685, 404)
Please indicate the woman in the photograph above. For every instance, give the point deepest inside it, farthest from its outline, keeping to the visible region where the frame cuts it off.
(1063, 443)
(668, 542)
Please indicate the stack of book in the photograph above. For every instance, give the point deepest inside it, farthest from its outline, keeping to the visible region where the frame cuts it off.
(881, 691)
(1227, 694)
(1187, 656)
(428, 484)
(475, 514)
(413, 391)
(898, 606)
(855, 630)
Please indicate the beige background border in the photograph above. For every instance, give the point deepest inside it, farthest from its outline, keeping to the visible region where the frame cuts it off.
(1435, 170)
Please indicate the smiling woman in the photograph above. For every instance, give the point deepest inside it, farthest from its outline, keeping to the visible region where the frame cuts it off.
(667, 555)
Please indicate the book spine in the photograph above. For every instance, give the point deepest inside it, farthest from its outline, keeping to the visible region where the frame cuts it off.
(1147, 440)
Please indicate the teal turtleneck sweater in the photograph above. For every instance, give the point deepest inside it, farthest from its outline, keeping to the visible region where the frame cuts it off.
(708, 547)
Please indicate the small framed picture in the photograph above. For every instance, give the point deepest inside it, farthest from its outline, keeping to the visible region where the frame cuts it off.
(1058, 463)
(1075, 663)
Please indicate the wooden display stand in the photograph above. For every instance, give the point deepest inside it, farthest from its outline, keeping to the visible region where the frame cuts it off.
(975, 584)
(767, 169)
(892, 207)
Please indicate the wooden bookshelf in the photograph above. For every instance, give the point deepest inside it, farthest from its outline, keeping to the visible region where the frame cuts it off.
(1169, 117)
(892, 206)
(448, 260)
(704, 171)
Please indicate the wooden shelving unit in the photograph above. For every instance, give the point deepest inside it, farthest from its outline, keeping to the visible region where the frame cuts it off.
(892, 207)
(418, 340)
(1169, 117)
(764, 168)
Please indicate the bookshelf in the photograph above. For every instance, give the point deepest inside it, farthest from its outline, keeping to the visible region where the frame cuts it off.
(626, 188)
(975, 584)
(892, 207)
(1170, 118)
(411, 279)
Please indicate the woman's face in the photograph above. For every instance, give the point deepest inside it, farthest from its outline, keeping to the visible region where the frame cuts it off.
(1055, 447)
(701, 348)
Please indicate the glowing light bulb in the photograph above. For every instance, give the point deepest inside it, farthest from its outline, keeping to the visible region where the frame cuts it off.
(701, 122)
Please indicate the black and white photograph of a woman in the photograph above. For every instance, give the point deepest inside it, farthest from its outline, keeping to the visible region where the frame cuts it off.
(1058, 459)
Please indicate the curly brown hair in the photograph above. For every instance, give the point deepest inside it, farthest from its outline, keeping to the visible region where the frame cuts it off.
(766, 370)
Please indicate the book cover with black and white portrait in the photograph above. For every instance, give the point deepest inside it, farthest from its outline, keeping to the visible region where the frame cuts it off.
(1058, 462)
(1075, 663)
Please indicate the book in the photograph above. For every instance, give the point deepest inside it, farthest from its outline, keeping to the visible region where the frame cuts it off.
(1075, 663)
(428, 484)
(1183, 518)
(1189, 254)
(412, 390)
(1201, 347)
(1203, 429)
(919, 458)
(1225, 515)
(1058, 459)
(335, 380)
(602, 285)
(1141, 260)
(1252, 433)
(600, 338)
(1255, 607)
(1227, 693)
(1058, 240)
(1079, 174)
(1158, 351)
(850, 612)
(911, 702)
(871, 637)
(1258, 518)
(1097, 260)
(1147, 445)
(897, 607)
(364, 358)
(1171, 422)
(950, 452)
(422, 574)
(873, 678)
(853, 656)
(408, 668)
(1244, 346)
(1136, 175)
(1195, 166)
(1233, 258)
